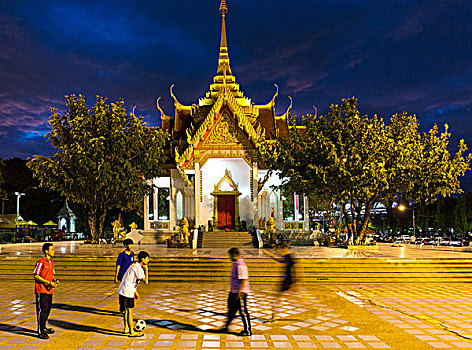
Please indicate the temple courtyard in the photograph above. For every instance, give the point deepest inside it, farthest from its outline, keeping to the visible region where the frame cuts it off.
(185, 315)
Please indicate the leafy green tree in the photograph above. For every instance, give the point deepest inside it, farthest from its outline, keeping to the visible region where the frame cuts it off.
(357, 161)
(103, 158)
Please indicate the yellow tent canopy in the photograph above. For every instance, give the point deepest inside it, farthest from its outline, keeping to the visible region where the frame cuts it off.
(22, 223)
(49, 223)
(32, 223)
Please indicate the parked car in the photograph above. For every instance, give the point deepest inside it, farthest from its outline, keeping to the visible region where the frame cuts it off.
(455, 242)
(423, 240)
(405, 238)
(441, 241)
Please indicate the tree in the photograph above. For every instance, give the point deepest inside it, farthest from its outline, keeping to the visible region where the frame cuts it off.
(3, 193)
(358, 161)
(103, 158)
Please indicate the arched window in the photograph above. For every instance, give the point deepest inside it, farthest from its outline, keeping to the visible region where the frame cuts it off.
(179, 204)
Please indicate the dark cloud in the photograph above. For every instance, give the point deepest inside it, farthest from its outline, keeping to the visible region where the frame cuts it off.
(392, 55)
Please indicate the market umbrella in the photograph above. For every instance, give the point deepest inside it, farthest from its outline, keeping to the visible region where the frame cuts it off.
(49, 223)
(32, 223)
(22, 223)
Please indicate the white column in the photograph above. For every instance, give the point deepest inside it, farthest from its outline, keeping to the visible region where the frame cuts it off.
(171, 204)
(146, 213)
(197, 194)
(255, 191)
(279, 211)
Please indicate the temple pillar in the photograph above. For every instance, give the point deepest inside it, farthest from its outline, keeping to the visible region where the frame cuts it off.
(197, 194)
(236, 212)
(172, 215)
(215, 213)
(306, 214)
(147, 226)
(255, 191)
(279, 214)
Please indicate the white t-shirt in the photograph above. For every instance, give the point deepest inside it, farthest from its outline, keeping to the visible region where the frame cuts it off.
(130, 280)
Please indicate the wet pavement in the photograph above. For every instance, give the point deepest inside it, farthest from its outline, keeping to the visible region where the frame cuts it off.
(384, 250)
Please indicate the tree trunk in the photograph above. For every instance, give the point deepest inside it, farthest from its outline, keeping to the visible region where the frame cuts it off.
(96, 221)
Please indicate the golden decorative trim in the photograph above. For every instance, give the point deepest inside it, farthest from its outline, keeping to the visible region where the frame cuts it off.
(184, 176)
(229, 179)
(270, 104)
(163, 115)
(243, 121)
(180, 106)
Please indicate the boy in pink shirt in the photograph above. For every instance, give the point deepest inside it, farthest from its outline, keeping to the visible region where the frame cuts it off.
(237, 298)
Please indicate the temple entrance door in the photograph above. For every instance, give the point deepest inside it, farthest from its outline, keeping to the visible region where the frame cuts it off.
(226, 215)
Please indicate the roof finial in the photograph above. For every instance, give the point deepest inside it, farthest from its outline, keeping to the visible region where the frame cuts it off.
(223, 59)
(223, 7)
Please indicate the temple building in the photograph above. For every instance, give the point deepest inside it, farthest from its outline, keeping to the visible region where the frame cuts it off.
(217, 177)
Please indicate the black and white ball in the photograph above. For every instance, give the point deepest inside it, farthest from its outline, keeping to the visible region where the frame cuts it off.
(140, 325)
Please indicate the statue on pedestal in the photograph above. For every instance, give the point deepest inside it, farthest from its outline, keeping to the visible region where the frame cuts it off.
(183, 231)
(118, 231)
(270, 232)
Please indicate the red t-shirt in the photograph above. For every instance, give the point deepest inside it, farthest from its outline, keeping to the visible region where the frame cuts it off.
(45, 269)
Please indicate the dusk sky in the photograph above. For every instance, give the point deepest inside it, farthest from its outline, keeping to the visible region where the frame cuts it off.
(394, 56)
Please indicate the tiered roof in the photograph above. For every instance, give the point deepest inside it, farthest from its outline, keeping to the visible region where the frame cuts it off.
(198, 131)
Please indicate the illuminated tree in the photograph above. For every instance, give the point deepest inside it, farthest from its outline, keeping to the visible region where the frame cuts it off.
(357, 161)
(103, 157)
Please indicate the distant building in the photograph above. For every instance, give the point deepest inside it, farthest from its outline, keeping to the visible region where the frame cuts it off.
(66, 219)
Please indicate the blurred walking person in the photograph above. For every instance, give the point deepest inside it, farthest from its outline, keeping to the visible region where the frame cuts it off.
(288, 282)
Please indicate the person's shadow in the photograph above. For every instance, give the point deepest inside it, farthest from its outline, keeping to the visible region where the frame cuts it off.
(17, 330)
(201, 311)
(84, 328)
(175, 325)
(86, 309)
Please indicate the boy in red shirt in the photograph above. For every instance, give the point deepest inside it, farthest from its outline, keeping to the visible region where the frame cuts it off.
(43, 288)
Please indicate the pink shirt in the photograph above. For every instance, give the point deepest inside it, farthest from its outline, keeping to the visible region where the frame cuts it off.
(239, 273)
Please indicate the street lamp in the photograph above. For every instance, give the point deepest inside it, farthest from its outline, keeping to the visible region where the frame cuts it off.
(402, 207)
(18, 195)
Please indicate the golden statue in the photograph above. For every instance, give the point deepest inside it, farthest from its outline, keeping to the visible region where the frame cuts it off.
(133, 226)
(118, 231)
(183, 231)
(270, 232)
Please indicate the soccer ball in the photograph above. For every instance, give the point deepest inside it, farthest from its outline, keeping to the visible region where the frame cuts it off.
(140, 325)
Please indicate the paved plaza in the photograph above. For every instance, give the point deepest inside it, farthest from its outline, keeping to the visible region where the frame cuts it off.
(185, 316)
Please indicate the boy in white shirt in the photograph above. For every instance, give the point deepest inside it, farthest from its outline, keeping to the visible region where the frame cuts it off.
(128, 290)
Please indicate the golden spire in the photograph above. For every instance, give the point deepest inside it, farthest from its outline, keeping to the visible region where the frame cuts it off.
(223, 59)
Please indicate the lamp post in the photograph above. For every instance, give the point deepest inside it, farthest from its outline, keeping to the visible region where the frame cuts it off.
(402, 207)
(18, 195)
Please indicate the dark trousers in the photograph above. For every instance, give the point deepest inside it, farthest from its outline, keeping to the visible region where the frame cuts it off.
(43, 308)
(235, 304)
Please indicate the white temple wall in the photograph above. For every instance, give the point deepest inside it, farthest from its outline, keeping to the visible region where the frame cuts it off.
(212, 172)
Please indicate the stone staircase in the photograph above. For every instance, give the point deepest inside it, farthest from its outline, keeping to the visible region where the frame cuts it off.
(224, 239)
(262, 270)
